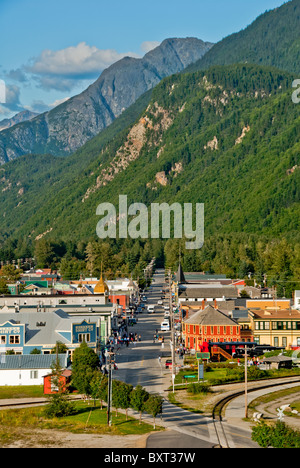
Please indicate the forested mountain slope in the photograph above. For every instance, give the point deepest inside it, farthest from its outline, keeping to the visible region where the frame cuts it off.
(227, 137)
(273, 39)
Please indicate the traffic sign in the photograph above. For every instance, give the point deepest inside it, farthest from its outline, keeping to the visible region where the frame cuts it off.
(203, 355)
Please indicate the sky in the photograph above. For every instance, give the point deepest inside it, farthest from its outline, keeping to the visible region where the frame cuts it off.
(54, 49)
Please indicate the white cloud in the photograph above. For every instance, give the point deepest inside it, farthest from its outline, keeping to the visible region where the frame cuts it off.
(12, 100)
(57, 102)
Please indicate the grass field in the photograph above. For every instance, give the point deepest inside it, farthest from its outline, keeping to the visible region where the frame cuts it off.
(32, 391)
(87, 418)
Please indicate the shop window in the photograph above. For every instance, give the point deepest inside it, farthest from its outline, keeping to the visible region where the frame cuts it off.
(284, 341)
(84, 337)
(14, 339)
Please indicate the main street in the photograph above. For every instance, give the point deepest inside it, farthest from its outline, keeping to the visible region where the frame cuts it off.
(139, 364)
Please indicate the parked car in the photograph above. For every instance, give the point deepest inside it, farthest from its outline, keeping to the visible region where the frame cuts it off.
(168, 363)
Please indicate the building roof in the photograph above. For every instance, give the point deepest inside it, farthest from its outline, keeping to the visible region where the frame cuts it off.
(44, 328)
(286, 314)
(210, 316)
(278, 359)
(31, 361)
(101, 287)
(208, 292)
(179, 277)
(200, 276)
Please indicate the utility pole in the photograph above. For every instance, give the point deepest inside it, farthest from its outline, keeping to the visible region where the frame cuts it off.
(109, 390)
(172, 333)
(246, 383)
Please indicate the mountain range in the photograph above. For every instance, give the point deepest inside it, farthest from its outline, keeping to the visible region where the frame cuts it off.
(227, 137)
(68, 126)
(16, 119)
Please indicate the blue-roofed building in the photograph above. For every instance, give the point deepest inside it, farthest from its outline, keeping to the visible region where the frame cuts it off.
(23, 332)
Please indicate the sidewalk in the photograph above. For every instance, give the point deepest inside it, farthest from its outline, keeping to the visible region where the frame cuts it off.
(235, 411)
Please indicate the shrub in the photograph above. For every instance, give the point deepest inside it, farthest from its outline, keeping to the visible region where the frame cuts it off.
(278, 436)
(59, 407)
(196, 388)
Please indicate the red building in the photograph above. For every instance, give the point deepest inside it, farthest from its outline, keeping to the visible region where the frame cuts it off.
(49, 385)
(122, 299)
(208, 325)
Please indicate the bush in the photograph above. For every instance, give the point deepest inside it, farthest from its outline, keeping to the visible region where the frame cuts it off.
(196, 388)
(278, 436)
(256, 373)
(59, 407)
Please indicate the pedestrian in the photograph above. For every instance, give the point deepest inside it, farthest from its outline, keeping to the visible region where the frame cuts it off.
(140, 338)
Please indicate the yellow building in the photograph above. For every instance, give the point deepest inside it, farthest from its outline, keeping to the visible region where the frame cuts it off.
(276, 327)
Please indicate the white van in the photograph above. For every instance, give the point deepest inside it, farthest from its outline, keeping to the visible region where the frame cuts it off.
(165, 326)
(151, 309)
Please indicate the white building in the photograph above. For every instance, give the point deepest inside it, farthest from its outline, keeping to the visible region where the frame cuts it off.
(28, 369)
(297, 300)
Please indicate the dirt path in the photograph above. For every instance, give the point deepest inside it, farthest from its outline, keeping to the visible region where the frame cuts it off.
(30, 438)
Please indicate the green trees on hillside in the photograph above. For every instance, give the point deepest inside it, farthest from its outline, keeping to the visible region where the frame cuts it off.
(227, 137)
(272, 262)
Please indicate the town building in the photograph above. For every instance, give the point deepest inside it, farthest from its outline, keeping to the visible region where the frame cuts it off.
(279, 304)
(276, 327)
(26, 332)
(28, 369)
(209, 325)
(297, 299)
(51, 386)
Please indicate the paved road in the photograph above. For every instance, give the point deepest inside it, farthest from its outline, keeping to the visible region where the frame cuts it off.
(138, 364)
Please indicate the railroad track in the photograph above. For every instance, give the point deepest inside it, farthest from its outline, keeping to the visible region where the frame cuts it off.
(220, 405)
